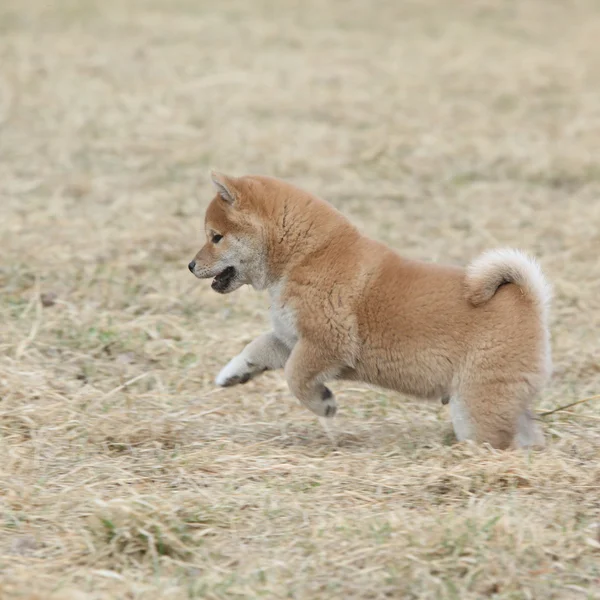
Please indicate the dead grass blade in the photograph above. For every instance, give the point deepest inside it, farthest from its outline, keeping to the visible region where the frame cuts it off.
(582, 401)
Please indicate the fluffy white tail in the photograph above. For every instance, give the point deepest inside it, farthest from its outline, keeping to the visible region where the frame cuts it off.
(490, 270)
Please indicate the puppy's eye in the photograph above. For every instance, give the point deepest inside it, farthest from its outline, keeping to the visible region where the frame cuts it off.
(216, 238)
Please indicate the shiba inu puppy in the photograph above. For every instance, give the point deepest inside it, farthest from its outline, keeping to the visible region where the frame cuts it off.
(344, 306)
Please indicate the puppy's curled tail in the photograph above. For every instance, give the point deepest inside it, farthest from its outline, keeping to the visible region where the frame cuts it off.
(496, 267)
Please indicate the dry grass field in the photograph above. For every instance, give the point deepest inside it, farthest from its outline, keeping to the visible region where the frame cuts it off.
(443, 128)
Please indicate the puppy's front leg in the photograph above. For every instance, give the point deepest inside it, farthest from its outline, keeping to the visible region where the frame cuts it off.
(265, 353)
(306, 371)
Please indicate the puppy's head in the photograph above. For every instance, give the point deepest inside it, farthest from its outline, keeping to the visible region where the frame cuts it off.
(234, 252)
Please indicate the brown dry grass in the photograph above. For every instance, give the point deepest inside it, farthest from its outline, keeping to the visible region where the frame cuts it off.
(443, 128)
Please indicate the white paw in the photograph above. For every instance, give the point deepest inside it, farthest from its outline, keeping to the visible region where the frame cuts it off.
(235, 371)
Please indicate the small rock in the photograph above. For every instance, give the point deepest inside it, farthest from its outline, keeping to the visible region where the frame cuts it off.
(48, 299)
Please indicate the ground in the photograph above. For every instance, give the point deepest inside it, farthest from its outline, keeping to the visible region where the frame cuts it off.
(441, 128)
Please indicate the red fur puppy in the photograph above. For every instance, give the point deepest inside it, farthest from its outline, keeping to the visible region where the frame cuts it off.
(344, 306)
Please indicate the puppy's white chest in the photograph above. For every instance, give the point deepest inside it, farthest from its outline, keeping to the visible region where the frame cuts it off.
(283, 320)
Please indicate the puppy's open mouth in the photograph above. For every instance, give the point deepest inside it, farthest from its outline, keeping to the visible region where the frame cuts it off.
(223, 280)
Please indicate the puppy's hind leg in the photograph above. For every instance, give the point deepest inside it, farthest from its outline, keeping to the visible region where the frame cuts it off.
(461, 420)
(494, 408)
(266, 352)
(529, 432)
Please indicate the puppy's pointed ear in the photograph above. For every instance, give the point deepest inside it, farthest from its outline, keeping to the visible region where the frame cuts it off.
(225, 186)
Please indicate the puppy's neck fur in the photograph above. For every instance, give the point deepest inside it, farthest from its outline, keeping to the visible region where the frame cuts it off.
(301, 227)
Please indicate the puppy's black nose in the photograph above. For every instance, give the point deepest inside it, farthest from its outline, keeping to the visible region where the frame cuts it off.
(192, 266)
